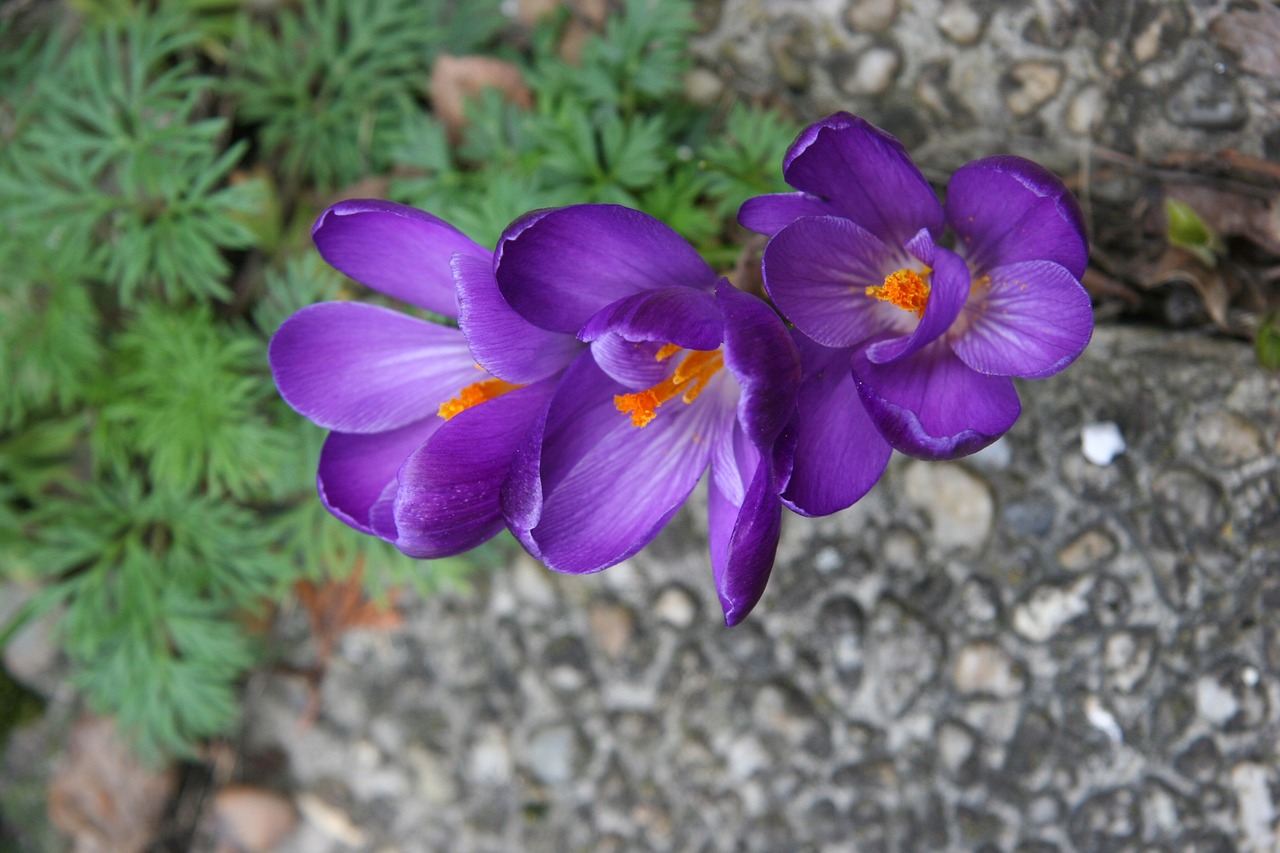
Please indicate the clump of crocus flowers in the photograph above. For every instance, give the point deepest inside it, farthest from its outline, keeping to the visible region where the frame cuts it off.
(601, 368)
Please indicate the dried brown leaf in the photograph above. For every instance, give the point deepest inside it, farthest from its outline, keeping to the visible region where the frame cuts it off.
(337, 606)
(457, 79)
(1253, 35)
(102, 796)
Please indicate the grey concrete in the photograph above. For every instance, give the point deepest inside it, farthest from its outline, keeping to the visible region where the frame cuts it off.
(1024, 651)
(1053, 79)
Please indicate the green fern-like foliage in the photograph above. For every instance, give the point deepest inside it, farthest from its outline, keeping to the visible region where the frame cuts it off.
(330, 84)
(122, 161)
(161, 162)
(187, 398)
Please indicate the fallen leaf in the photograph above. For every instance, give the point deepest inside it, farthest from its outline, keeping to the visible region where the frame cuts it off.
(457, 79)
(102, 796)
(337, 606)
(1252, 36)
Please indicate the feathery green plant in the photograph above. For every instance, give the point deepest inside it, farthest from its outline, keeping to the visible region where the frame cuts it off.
(160, 163)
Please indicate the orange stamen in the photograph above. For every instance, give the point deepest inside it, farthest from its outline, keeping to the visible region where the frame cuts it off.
(689, 379)
(905, 288)
(473, 395)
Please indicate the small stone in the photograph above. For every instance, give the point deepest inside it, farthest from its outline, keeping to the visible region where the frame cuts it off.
(1257, 807)
(703, 87)
(1102, 719)
(432, 774)
(1030, 85)
(873, 73)
(1085, 110)
(959, 504)
(955, 745)
(828, 560)
(1146, 44)
(252, 820)
(747, 757)
(676, 607)
(1087, 549)
(490, 760)
(871, 16)
(1049, 608)
(985, 668)
(1207, 101)
(960, 23)
(553, 755)
(1215, 701)
(1127, 658)
(1228, 439)
(1102, 442)
(611, 627)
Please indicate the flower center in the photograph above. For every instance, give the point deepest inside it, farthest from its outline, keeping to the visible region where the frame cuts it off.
(905, 288)
(688, 380)
(473, 395)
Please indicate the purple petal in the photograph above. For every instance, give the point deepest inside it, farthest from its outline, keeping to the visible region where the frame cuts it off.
(635, 364)
(866, 175)
(682, 316)
(448, 500)
(1006, 209)
(504, 343)
(817, 271)
(557, 268)
(837, 453)
(357, 470)
(352, 367)
(605, 488)
(1032, 321)
(402, 251)
(948, 290)
(931, 405)
(769, 214)
(760, 353)
(744, 541)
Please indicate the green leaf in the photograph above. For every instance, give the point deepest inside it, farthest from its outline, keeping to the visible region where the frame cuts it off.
(1188, 231)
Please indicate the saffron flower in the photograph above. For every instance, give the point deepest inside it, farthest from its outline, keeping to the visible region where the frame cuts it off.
(421, 436)
(681, 373)
(918, 342)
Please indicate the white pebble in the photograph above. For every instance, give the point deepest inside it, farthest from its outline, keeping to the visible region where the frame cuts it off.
(1102, 442)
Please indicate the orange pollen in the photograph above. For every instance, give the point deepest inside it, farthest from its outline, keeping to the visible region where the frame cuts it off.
(473, 395)
(904, 288)
(688, 380)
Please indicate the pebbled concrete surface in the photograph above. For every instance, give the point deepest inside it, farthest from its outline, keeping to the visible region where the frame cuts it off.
(1023, 652)
(1051, 79)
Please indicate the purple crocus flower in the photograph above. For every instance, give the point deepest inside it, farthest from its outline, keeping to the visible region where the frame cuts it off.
(422, 437)
(923, 337)
(682, 373)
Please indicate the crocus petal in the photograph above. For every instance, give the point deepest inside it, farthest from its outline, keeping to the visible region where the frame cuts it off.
(682, 316)
(353, 367)
(448, 500)
(837, 454)
(744, 541)
(504, 343)
(357, 470)
(1032, 321)
(557, 268)
(866, 175)
(606, 487)
(1006, 209)
(948, 290)
(932, 405)
(817, 271)
(402, 251)
(769, 214)
(761, 355)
